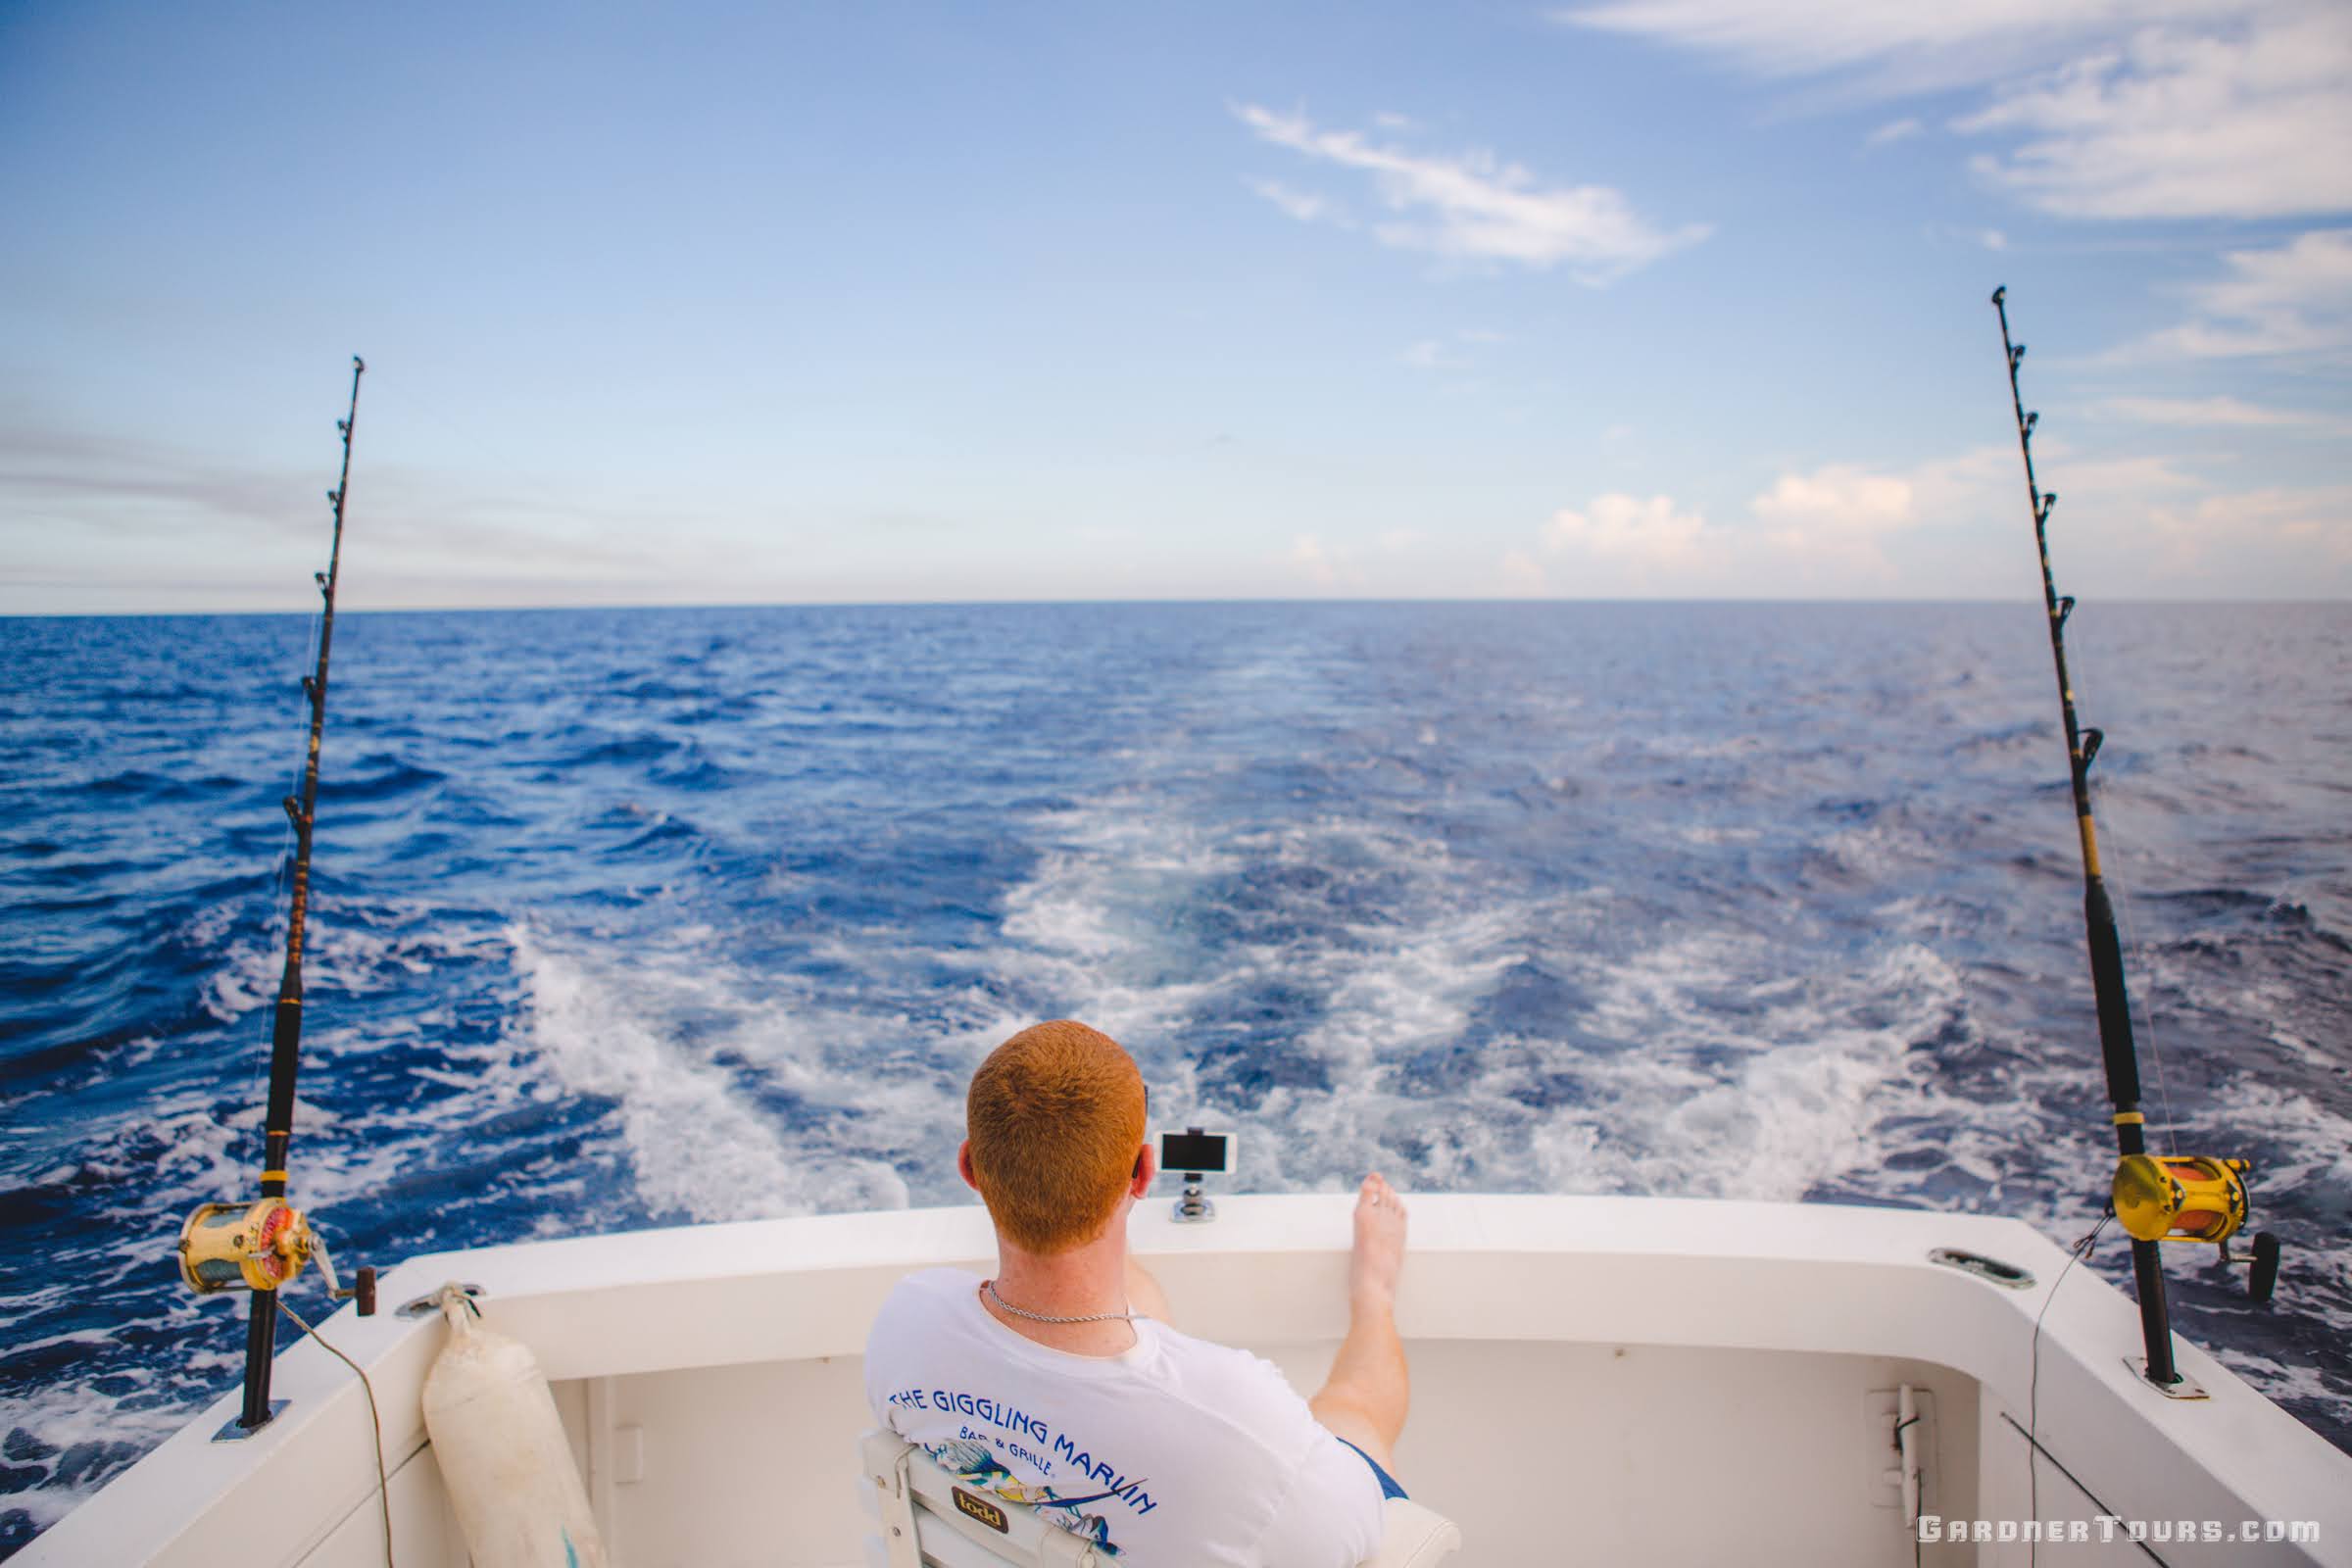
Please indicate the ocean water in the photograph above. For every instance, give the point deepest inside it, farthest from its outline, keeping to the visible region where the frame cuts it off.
(629, 919)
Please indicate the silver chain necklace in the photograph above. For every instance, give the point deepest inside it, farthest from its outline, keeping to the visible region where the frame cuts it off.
(990, 1287)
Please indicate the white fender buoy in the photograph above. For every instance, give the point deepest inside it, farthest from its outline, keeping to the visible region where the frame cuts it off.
(501, 1451)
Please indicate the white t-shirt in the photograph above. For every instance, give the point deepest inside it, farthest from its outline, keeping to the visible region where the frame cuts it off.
(1175, 1452)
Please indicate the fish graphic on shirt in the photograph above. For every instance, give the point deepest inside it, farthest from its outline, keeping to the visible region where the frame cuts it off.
(976, 1464)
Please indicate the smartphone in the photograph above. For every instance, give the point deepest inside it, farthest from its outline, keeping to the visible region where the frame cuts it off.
(1194, 1152)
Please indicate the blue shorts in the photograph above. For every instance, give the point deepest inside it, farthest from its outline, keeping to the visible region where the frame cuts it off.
(1387, 1483)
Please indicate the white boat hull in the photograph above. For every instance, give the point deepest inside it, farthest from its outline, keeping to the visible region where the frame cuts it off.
(1611, 1380)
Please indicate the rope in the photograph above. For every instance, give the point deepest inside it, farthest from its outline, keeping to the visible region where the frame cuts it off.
(2074, 1254)
(384, 1498)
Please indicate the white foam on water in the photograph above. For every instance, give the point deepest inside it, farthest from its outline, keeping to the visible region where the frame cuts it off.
(1084, 931)
(1767, 1099)
(342, 950)
(1705, 833)
(2277, 1380)
(67, 1414)
(698, 1145)
(1091, 930)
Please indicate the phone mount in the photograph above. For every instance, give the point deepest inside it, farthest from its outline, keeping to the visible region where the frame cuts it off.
(1194, 1207)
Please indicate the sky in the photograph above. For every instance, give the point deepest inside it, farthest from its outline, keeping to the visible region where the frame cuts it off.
(817, 304)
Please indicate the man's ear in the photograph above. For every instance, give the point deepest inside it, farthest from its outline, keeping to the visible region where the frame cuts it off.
(963, 1165)
(1147, 1166)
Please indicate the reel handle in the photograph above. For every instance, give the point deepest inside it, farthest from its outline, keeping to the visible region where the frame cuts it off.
(2263, 1278)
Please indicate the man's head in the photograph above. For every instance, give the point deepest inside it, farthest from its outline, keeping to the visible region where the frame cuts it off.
(1055, 1123)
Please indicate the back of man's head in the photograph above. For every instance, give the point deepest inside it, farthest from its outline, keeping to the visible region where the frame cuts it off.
(1055, 1117)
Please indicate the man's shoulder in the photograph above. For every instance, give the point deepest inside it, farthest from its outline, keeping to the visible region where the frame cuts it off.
(923, 1297)
(1243, 1389)
(932, 1283)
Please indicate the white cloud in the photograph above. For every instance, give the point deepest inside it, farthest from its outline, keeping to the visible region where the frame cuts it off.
(1478, 208)
(1311, 559)
(1301, 205)
(2282, 534)
(1522, 575)
(1457, 352)
(1646, 534)
(1894, 131)
(2161, 108)
(1840, 499)
(2132, 526)
(1992, 239)
(2211, 412)
(1430, 354)
(2296, 299)
(2179, 124)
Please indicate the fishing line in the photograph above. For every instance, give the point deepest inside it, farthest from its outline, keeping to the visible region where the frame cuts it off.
(274, 932)
(285, 1038)
(2142, 1010)
(383, 1484)
(2074, 1254)
(2158, 1198)
(2146, 1009)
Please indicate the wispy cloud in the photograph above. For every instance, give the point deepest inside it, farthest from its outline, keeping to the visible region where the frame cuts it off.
(2295, 299)
(2172, 109)
(1906, 47)
(1894, 131)
(2219, 411)
(1477, 207)
(1301, 205)
(2306, 529)
(2179, 123)
(1460, 352)
(244, 536)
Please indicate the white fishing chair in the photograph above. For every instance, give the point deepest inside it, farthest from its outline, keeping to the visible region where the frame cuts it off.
(926, 1520)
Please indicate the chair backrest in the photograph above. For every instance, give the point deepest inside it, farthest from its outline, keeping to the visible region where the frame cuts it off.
(925, 1516)
(929, 1517)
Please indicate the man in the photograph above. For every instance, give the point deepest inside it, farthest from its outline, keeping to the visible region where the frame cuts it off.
(1058, 1383)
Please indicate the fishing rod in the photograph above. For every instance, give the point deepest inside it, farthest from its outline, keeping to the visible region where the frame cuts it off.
(2158, 1199)
(262, 1245)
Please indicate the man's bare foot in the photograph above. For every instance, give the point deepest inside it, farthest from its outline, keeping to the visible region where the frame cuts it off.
(1379, 1252)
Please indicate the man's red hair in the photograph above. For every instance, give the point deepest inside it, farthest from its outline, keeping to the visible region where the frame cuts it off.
(1055, 1117)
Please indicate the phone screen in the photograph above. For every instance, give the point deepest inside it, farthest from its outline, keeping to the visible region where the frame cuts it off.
(1194, 1152)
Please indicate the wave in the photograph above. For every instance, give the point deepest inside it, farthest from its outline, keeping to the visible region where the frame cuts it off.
(629, 919)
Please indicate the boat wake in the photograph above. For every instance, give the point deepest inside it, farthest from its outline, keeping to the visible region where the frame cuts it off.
(626, 919)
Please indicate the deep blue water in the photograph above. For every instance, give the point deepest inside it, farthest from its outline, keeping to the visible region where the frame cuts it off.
(644, 917)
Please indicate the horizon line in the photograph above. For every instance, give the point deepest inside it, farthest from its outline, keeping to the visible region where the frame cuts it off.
(1139, 602)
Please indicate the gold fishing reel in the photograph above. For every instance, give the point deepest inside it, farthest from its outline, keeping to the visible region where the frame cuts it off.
(260, 1246)
(2194, 1197)
(2181, 1197)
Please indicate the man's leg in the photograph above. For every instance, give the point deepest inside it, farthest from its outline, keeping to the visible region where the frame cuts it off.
(1365, 1398)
